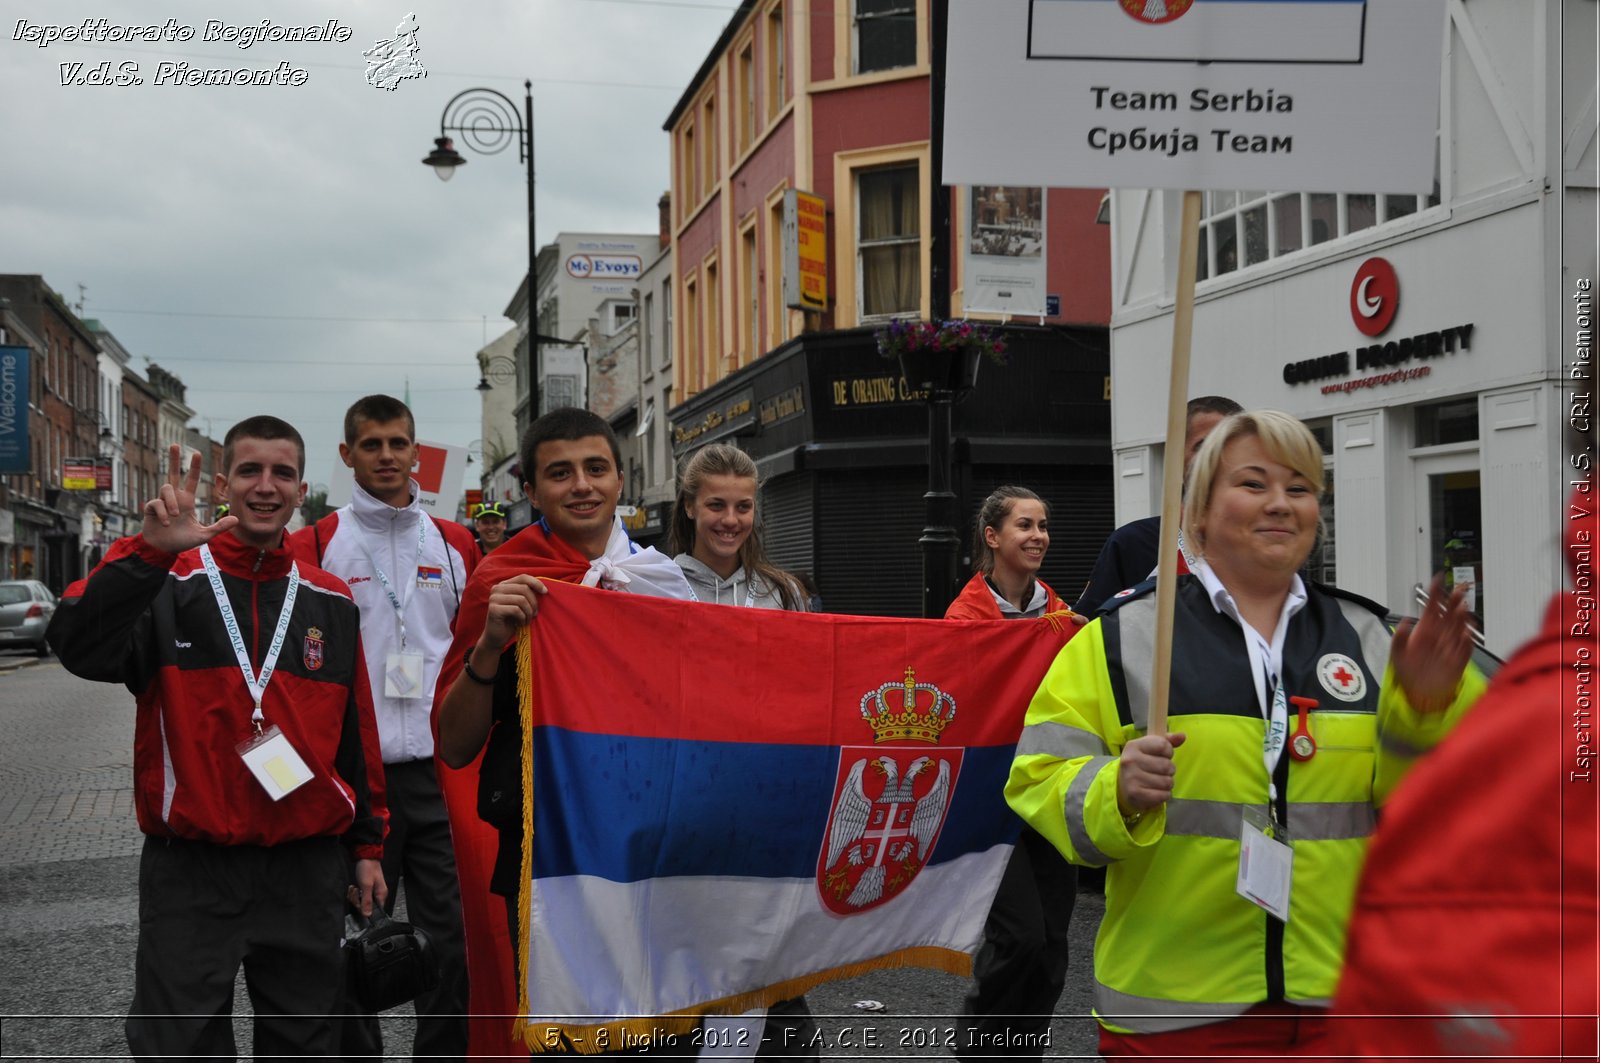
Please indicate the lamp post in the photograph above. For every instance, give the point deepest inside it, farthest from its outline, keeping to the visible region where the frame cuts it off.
(940, 539)
(487, 120)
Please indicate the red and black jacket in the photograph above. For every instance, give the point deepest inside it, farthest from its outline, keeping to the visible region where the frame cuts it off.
(148, 620)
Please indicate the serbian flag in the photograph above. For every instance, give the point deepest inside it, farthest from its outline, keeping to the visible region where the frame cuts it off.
(731, 806)
(1199, 31)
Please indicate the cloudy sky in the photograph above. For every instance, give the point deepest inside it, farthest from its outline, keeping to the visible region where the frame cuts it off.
(280, 248)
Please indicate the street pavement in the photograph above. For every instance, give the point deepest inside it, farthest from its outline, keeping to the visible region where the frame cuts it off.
(69, 849)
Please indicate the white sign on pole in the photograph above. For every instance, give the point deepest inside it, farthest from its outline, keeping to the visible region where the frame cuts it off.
(1003, 269)
(1303, 95)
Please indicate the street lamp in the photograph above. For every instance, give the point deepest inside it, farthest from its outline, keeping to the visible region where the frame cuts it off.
(487, 121)
(498, 368)
(501, 368)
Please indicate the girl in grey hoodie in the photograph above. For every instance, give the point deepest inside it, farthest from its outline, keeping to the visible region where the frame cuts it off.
(714, 539)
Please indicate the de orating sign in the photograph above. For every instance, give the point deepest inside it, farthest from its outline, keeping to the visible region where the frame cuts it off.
(14, 391)
(1303, 95)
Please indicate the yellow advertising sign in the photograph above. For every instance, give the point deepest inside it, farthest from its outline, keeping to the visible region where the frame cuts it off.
(805, 251)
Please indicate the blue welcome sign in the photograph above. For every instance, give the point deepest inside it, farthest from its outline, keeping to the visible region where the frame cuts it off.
(14, 365)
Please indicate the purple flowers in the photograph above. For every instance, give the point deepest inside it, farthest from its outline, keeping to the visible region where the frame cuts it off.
(899, 337)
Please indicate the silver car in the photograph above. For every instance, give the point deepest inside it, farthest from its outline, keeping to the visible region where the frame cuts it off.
(26, 606)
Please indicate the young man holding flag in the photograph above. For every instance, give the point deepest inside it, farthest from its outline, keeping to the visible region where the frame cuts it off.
(573, 464)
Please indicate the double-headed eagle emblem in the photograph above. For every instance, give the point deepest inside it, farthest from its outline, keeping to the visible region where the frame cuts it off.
(885, 823)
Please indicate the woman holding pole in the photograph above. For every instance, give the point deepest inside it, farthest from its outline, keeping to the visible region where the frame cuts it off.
(1233, 843)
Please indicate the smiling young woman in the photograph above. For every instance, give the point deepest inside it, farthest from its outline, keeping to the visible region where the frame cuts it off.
(714, 539)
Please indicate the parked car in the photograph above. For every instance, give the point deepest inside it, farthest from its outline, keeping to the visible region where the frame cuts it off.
(26, 606)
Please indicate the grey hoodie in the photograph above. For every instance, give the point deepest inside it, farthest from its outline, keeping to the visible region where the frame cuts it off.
(737, 590)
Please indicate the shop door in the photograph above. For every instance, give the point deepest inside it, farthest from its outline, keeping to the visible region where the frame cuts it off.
(1450, 526)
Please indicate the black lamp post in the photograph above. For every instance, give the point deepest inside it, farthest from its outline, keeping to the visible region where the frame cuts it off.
(941, 541)
(487, 120)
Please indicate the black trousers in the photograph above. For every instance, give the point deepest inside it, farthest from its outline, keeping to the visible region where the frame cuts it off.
(1021, 968)
(205, 910)
(789, 1032)
(419, 852)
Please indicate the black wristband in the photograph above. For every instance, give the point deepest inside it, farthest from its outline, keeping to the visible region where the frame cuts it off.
(466, 664)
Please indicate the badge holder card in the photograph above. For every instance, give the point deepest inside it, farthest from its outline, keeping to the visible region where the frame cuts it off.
(1266, 863)
(274, 762)
(402, 675)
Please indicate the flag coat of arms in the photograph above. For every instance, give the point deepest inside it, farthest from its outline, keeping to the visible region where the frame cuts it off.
(731, 806)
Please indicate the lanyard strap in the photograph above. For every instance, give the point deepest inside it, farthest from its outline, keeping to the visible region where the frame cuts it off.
(1277, 733)
(257, 684)
(1274, 710)
(388, 587)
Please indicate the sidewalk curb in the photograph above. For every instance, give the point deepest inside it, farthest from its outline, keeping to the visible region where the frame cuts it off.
(11, 664)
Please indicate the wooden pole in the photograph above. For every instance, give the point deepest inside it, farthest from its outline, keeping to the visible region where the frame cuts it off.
(1172, 470)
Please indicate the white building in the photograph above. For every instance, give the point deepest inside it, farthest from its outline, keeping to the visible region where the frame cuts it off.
(1444, 427)
(586, 271)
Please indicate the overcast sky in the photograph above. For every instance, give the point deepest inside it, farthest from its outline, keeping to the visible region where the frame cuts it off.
(281, 248)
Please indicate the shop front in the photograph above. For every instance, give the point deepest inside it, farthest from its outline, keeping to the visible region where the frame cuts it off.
(841, 441)
(1427, 370)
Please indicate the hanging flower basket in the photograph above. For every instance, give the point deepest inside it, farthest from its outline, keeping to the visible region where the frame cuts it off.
(941, 356)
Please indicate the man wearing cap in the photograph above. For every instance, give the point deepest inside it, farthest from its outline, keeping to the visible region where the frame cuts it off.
(491, 523)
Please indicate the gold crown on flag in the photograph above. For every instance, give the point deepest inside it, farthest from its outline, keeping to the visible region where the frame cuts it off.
(924, 711)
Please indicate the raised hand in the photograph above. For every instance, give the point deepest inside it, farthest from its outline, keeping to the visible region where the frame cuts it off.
(170, 524)
(1430, 653)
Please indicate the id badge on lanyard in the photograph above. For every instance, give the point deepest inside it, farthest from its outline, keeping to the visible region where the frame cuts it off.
(1266, 852)
(402, 669)
(268, 753)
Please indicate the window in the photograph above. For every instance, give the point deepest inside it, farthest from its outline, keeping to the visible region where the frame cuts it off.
(777, 316)
(666, 329)
(1242, 228)
(713, 332)
(622, 315)
(648, 316)
(560, 389)
(889, 244)
(689, 169)
(708, 143)
(777, 48)
(747, 95)
(693, 370)
(1451, 421)
(886, 34)
(750, 297)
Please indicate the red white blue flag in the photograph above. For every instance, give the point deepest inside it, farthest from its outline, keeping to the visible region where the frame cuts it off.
(734, 805)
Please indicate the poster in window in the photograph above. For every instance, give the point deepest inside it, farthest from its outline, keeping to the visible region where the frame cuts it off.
(1003, 269)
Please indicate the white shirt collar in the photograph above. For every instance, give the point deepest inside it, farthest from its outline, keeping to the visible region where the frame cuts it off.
(1266, 655)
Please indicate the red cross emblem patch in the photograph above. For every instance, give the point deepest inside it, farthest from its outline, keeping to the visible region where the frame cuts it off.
(1342, 677)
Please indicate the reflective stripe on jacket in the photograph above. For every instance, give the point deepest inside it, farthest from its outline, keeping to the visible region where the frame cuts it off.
(1178, 946)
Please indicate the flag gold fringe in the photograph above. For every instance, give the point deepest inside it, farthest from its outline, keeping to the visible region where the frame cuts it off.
(1058, 619)
(525, 883)
(592, 1039)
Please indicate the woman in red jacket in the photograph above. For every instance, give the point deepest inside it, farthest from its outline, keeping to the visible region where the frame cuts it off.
(1021, 968)
(1013, 534)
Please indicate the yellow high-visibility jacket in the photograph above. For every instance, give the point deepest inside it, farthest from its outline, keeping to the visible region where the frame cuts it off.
(1178, 946)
